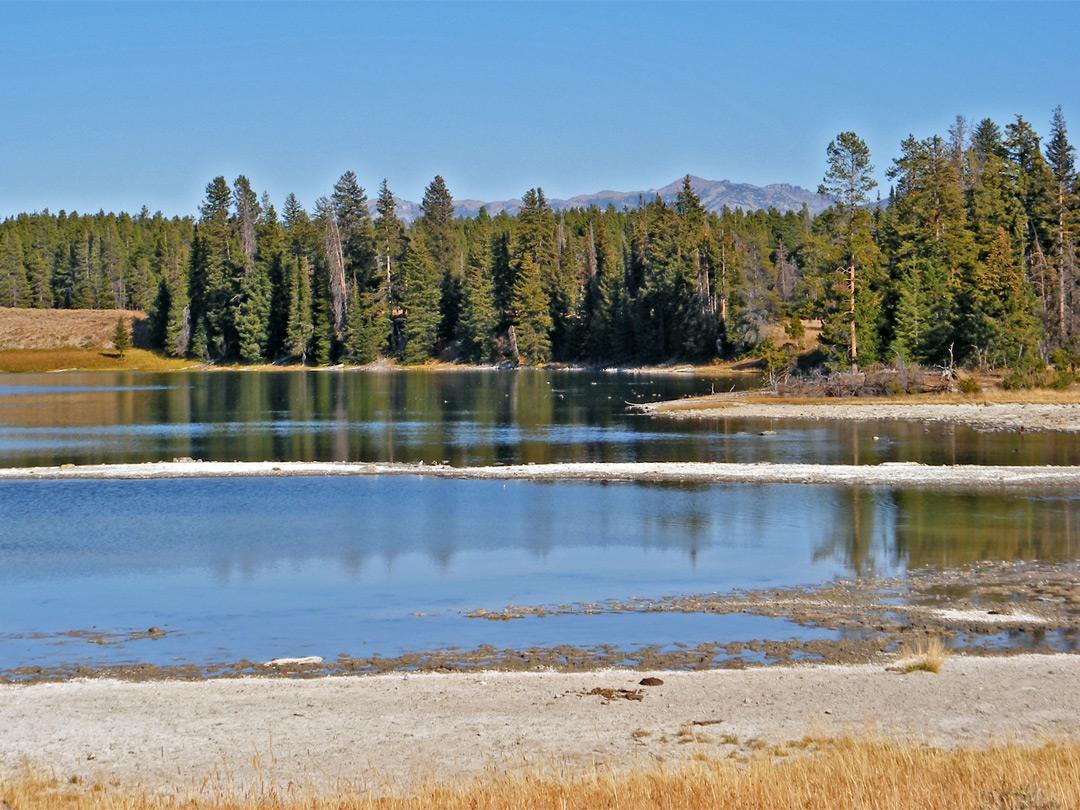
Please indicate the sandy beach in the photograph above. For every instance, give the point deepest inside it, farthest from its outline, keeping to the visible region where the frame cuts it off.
(389, 729)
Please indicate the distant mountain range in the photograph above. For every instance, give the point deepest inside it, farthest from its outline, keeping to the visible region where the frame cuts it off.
(715, 194)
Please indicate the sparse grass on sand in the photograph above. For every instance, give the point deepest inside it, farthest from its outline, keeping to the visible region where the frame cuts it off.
(926, 656)
(833, 774)
(77, 359)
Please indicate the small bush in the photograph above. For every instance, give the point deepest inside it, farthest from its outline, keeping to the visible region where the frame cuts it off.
(1022, 379)
(1066, 358)
(969, 385)
(1062, 379)
(925, 657)
(777, 361)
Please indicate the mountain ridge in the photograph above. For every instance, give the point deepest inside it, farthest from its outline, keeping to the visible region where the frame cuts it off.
(714, 194)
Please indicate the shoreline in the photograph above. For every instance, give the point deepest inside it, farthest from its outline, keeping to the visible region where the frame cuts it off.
(983, 416)
(320, 733)
(19, 361)
(889, 474)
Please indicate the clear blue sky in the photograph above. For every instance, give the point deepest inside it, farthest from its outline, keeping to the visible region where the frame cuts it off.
(116, 105)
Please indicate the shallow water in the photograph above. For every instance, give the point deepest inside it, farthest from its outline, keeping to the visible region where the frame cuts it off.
(461, 417)
(262, 568)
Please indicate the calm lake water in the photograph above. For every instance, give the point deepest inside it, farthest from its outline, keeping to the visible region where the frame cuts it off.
(263, 568)
(464, 418)
(260, 568)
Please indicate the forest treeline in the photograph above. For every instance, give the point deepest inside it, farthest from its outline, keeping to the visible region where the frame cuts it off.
(970, 259)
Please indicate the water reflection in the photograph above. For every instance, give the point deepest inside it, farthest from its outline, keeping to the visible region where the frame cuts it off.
(877, 531)
(464, 418)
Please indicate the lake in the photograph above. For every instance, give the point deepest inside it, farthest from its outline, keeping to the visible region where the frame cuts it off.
(261, 568)
(461, 417)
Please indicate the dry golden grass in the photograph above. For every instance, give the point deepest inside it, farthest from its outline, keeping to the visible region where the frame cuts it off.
(832, 774)
(36, 340)
(56, 328)
(71, 359)
(926, 656)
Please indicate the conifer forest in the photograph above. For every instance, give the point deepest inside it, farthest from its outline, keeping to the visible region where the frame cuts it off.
(969, 257)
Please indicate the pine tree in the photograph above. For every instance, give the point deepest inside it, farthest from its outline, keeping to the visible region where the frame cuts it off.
(479, 319)
(14, 286)
(297, 264)
(250, 282)
(536, 282)
(212, 252)
(1033, 184)
(1061, 157)
(367, 324)
(531, 316)
(849, 177)
(441, 241)
(390, 246)
(931, 248)
(332, 294)
(121, 338)
(423, 292)
(1000, 309)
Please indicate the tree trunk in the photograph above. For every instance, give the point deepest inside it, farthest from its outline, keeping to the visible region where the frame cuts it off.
(851, 315)
(513, 344)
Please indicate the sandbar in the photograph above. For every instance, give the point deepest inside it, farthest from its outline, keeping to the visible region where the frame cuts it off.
(907, 474)
(985, 416)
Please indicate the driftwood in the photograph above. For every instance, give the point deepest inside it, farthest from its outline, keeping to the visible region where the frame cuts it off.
(879, 381)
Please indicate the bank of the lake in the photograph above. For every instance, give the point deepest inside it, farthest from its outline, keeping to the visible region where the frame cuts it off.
(395, 729)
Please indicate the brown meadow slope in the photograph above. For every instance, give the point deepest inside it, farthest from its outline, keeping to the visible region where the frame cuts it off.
(67, 328)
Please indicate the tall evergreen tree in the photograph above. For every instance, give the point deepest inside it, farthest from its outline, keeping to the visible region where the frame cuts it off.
(367, 323)
(210, 291)
(531, 326)
(1033, 183)
(250, 273)
(14, 286)
(1061, 157)
(422, 295)
(390, 247)
(330, 293)
(931, 249)
(536, 282)
(999, 309)
(479, 319)
(298, 261)
(849, 178)
(441, 242)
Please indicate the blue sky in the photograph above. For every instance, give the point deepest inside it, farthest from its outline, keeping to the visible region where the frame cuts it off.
(117, 105)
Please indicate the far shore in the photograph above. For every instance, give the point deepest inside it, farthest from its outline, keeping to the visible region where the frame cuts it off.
(83, 359)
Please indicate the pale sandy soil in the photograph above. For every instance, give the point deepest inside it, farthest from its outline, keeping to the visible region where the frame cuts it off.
(991, 416)
(889, 474)
(371, 730)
